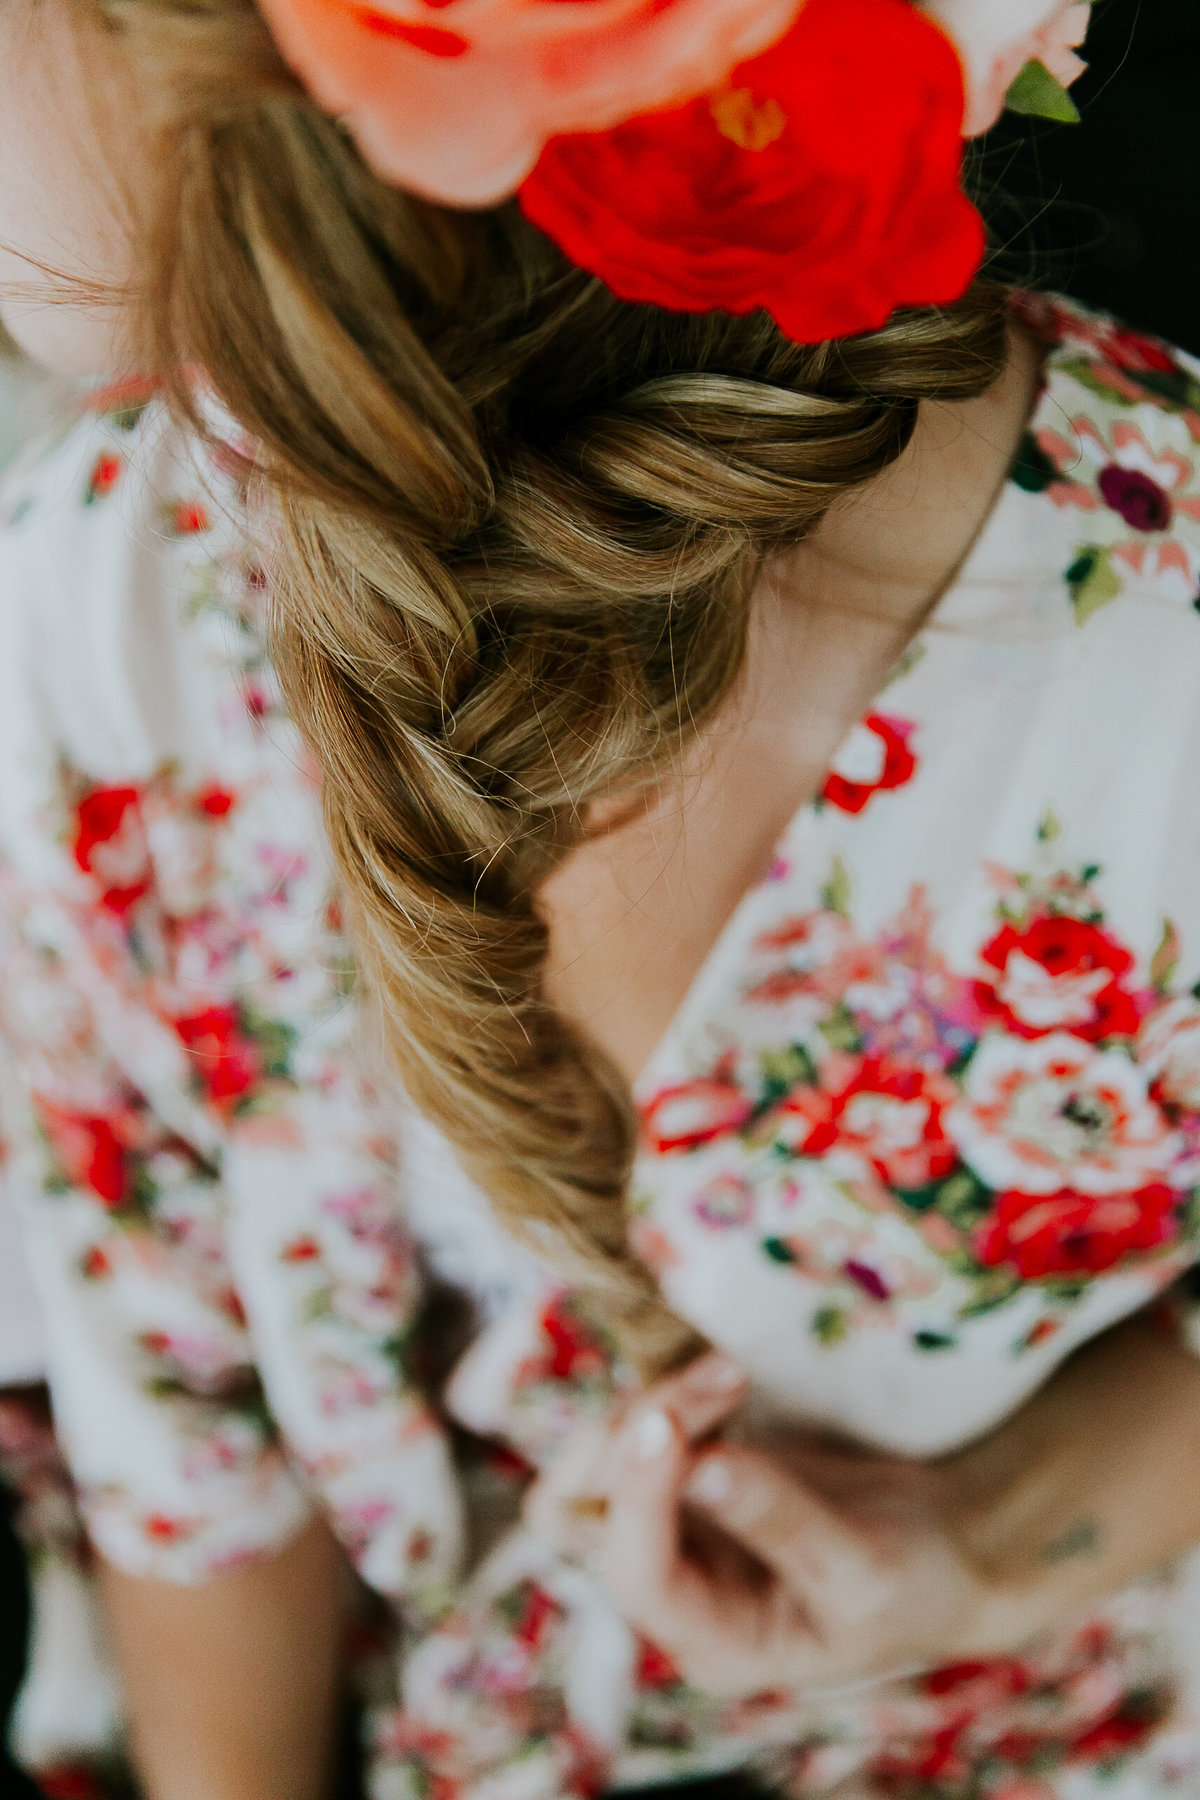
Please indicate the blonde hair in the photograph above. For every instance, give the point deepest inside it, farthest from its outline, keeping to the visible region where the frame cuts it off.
(519, 526)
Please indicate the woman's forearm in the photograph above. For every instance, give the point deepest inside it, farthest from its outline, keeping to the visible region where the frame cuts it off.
(1095, 1483)
(232, 1688)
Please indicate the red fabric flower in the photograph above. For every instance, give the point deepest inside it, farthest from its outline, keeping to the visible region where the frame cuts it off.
(875, 757)
(693, 1113)
(227, 1061)
(110, 844)
(821, 183)
(1058, 974)
(1066, 1233)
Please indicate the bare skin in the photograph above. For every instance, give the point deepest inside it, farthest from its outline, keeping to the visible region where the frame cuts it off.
(232, 1688)
(634, 913)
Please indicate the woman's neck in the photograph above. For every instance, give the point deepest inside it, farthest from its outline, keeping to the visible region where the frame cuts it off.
(633, 914)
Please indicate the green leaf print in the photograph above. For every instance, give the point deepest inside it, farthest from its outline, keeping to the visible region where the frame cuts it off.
(1031, 468)
(1165, 960)
(837, 891)
(779, 1250)
(1093, 582)
(829, 1325)
(784, 1070)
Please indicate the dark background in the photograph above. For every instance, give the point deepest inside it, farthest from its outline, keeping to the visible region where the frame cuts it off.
(1108, 211)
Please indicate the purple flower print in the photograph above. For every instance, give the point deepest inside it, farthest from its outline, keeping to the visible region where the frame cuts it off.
(1141, 502)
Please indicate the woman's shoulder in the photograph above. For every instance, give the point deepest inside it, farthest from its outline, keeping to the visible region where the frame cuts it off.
(1113, 449)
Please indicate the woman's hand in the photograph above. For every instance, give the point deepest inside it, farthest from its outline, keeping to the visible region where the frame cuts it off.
(809, 1566)
(807, 1569)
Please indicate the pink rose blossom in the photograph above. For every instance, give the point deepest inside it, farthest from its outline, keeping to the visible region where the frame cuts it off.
(996, 38)
(455, 99)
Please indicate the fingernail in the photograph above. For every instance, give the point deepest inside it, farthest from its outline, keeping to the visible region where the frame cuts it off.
(714, 1374)
(652, 1435)
(711, 1482)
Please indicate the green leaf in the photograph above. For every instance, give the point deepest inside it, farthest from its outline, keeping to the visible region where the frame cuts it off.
(1093, 582)
(1165, 960)
(778, 1250)
(934, 1340)
(1036, 93)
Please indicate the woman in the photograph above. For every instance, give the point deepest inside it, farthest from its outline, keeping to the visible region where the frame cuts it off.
(586, 607)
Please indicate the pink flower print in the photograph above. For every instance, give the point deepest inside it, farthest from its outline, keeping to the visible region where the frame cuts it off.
(725, 1203)
(201, 1359)
(1145, 486)
(1168, 1049)
(1046, 1114)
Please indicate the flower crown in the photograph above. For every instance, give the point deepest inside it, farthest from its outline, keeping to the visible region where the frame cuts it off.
(802, 156)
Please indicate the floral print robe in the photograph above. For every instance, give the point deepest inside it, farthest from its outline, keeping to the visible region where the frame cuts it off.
(928, 1119)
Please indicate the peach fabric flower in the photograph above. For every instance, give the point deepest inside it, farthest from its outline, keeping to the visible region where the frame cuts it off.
(996, 38)
(454, 99)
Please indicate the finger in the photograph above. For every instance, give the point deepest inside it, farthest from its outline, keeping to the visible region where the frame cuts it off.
(831, 1568)
(567, 1504)
(729, 1635)
(700, 1396)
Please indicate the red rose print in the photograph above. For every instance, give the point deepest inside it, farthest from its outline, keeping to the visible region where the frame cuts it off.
(539, 1613)
(655, 1668)
(226, 1060)
(69, 1781)
(1141, 501)
(1113, 1736)
(91, 1153)
(890, 1111)
(301, 1250)
(873, 758)
(106, 472)
(694, 1112)
(821, 182)
(575, 1352)
(217, 802)
(1058, 973)
(163, 1529)
(188, 517)
(94, 1264)
(110, 845)
(1066, 1233)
